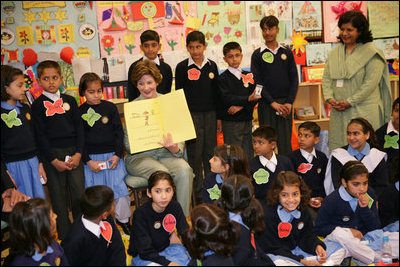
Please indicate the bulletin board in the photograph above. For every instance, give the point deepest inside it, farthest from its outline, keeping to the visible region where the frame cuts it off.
(384, 18)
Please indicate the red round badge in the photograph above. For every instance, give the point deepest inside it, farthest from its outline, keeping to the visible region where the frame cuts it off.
(169, 223)
(284, 229)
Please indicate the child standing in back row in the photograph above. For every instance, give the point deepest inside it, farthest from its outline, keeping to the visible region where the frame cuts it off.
(60, 135)
(104, 140)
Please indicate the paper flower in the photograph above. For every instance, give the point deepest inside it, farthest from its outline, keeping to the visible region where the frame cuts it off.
(217, 38)
(129, 40)
(298, 41)
(108, 42)
(194, 74)
(238, 34)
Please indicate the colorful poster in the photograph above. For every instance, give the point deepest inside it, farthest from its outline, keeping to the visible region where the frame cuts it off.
(307, 15)
(223, 22)
(384, 18)
(46, 34)
(24, 35)
(66, 33)
(317, 54)
(390, 47)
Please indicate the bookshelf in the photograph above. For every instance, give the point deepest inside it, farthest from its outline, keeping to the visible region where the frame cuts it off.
(310, 94)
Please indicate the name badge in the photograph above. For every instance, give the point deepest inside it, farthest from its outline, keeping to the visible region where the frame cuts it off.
(339, 83)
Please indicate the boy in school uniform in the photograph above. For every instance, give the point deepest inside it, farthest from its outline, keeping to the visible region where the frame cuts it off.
(266, 165)
(275, 69)
(237, 94)
(198, 77)
(150, 46)
(60, 137)
(310, 164)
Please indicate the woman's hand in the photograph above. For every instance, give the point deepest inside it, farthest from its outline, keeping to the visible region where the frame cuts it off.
(114, 159)
(94, 165)
(73, 162)
(42, 173)
(60, 165)
(169, 144)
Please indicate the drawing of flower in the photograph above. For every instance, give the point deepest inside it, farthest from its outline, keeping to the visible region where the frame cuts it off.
(108, 42)
(217, 38)
(129, 42)
(227, 30)
(238, 34)
(24, 37)
(64, 34)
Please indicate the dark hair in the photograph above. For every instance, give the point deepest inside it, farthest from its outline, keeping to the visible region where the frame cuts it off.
(235, 157)
(367, 127)
(149, 35)
(266, 132)
(157, 176)
(288, 178)
(145, 67)
(8, 75)
(231, 46)
(195, 36)
(351, 169)
(96, 200)
(312, 127)
(360, 22)
(47, 64)
(30, 227)
(237, 195)
(395, 102)
(211, 230)
(270, 21)
(86, 79)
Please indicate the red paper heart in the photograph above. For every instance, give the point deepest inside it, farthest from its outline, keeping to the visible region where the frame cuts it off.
(169, 223)
(30, 57)
(52, 109)
(66, 54)
(193, 74)
(284, 229)
(106, 231)
(304, 167)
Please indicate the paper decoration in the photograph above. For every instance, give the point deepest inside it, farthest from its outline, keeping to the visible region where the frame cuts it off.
(114, 26)
(45, 16)
(129, 40)
(107, 14)
(60, 15)
(8, 7)
(87, 31)
(83, 52)
(148, 10)
(24, 35)
(80, 5)
(37, 4)
(13, 56)
(108, 42)
(256, 13)
(7, 36)
(81, 17)
(67, 73)
(307, 15)
(300, 57)
(135, 25)
(66, 33)
(10, 20)
(30, 57)
(384, 18)
(126, 14)
(313, 74)
(29, 17)
(66, 54)
(31, 83)
(284, 229)
(46, 35)
(390, 47)
(3, 55)
(317, 54)
(298, 41)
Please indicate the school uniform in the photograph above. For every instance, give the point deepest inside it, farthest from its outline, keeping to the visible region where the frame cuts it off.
(212, 259)
(264, 171)
(373, 159)
(89, 244)
(212, 187)
(59, 132)
(341, 209)
(235, 86)
(18, 148)
(163, 88)
(151, 231)
(287, 230)
(247, 251)
(388, 138)
(389, 204)
(311, 167)
(201, 91)
(276, 71)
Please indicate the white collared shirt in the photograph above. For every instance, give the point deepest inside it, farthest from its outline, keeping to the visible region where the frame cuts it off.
(270, 164)
(264, 46)
(391, 128)
(54, 96)
(156, 60)
(91, 227)
(308, 156)
(191, 61)
(236, 72)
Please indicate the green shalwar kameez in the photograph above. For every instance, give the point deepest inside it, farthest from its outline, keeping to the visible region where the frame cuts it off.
(361, 78)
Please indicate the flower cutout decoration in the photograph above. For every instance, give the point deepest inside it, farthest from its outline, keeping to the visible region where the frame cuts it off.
(193, 74)
(238, 34)
(108, 43)
(129, 40)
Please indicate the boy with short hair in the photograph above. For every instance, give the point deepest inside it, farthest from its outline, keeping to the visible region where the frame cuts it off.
(237, 94)
(310, 163)
(60, 138)
(274, 68)
(94, 239)
(150, 45)
(197, 76)
(266, 165)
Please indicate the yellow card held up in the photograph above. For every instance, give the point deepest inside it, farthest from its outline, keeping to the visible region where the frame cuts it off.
(148, 120)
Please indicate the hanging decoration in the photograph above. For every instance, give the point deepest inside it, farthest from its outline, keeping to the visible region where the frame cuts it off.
(45, 16)
(148, 10)
(13, 56)
(66, 33)
(298, 41)
(24, 35)
(108, 43)
(30, 17)
(46, 35)
(60, 15)
(7, 36)
(30, 57)
(66, 54)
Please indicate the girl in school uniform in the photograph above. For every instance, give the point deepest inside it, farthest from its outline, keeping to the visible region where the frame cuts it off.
(155, 226)
(362, 146)
(212, 237)
(103, 146)
(227, 160)
(237, 198)
(18, 147)
(289, 227)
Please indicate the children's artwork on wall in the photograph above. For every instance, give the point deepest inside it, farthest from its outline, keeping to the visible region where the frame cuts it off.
(307, 15)
(331, 13)
(317, 54)
(67, 74)
(60, 15)
(87, 31)
(8, 7)
(390, 47)
(256, 12)
(66, 33)
(24, 35)
(3, 55)
(46, 35)
(13, 56)
(7, 36)
(44, 16)
(38, 4)
(30, 17)
(384, 18)
(298, 41)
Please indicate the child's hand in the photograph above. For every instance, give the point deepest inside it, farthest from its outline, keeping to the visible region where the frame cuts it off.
(310, 263)
(169, 144)
(42, 173)
(321, 253)
(74, 160)
(114, 159)
(253, 96)
(356, 233)
(61, 165)
(94, 166)
(234, 109)
(316, 202)
(363, 200)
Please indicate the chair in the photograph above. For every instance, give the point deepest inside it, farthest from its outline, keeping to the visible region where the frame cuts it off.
(137, 187)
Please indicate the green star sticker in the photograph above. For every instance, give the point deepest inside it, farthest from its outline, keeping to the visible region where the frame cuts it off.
(11, 119)
(91, 117)
(261, 176)
(214, 192)
(391, 141)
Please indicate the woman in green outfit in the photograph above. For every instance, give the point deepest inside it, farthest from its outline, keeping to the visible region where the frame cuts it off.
(356, 79)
